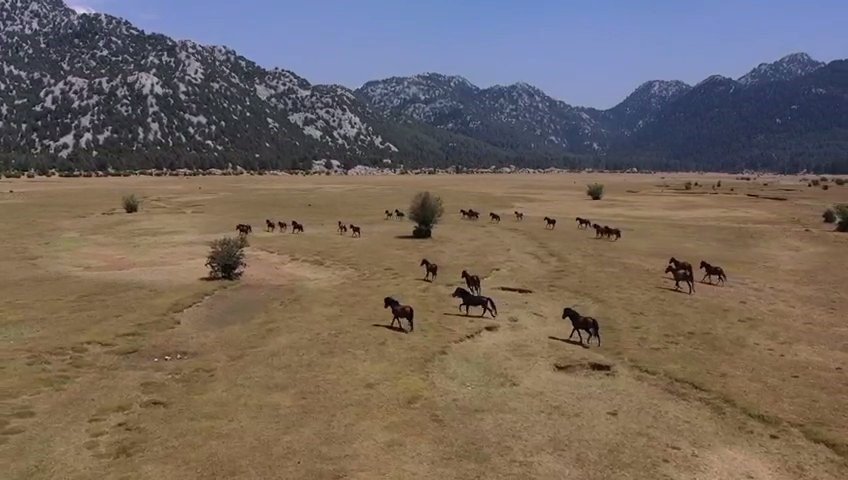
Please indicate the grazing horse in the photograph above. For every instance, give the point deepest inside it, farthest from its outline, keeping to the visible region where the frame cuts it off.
(680, 265)
(550, 223)
(711, 271)
(579, 322)
(283, 226)
(244, 229)
(400, 311)
(430, 270)
(389, 214)
(472, 282)
(519, 216)
(269, 225)
(494, 217)
(355, 231)
(398, 214)
(471, 300)
(342, 228)
(296, 227)
(681, 276)
(583, 222)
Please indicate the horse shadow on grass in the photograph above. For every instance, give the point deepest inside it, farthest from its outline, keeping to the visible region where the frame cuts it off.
(389, 327)
(675, 290)
(569, 341)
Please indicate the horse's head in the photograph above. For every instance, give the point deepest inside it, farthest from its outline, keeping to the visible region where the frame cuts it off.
(464, 274)
(669, 269)
(704, 265)
(672, 260)
(569, 312)
(389, 302)
(424, 261)
(460, 292)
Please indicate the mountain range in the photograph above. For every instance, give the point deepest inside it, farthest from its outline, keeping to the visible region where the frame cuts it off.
(91, 91)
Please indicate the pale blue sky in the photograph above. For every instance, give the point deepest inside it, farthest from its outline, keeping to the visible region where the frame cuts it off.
(590, 53)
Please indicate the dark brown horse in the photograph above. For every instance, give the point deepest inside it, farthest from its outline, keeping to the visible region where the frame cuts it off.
(464, 213)
(583, 222)
(471, 300)
(550, 223)
(269, 225)
(430, 269)
(579, 322)
(680, 265)
(681, 276)
(473, 214)
(296, 227)
(398, 214)
(400, 311)
(494, 217)
(389, 214)
(355, 231)
(342, 229)
(472, 282)
(244, 229)
(614, 232)
(519, 215)
(712, 271)
(283, 226)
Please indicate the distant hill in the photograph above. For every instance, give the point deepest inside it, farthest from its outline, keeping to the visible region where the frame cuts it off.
(91, 91)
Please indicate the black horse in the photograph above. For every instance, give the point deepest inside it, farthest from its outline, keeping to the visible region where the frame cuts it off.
(244, 229)
(296, 227)
(283, 226)
(473, 214)
(579, 322)
(681, 276)
(681, 265)
(550, 223)
(355, 231)
(494, 217)
(583, 222)
(471, 300)
(269, 225)
(389, 214)
(519, 216)
(712, 271)
(472, 282)
(400, 311)
(430, 269)
(398, 214)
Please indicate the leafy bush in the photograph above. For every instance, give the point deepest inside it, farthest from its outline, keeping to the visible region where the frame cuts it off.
(841, 212)
(226, 258)
(825, 187)
(130, 203)
(839, 181)
(718, 184)
(815, 182)
(595, 190)
(687, 185)
(12, 174)
(823, 179)
(425, 210)
(829, 216)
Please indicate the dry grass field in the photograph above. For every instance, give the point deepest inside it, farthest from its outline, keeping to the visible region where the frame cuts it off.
(290, 372)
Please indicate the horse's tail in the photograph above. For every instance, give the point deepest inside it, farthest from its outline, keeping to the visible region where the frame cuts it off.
(494, 308)
(597, 327)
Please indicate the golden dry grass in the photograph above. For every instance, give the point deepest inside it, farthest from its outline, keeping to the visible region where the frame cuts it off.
(289, 372)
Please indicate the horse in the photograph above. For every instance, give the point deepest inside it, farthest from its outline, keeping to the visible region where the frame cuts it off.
(472, 282)
(398, 214)
(494, 217)
(579, 322)
(473, 215)
(296, 227)
(471, 300)
(355, 231)
(464, 213)
(430, 269)
(269, 225)
(283, 226)
(711, 271)
(400, 311)
(389, 214)
(342, 228)
(613, 232)
(680, 265)
(681, 276)
(583, 222)
(599, 230)
(244, 229)
(519, 216)
(550, 223)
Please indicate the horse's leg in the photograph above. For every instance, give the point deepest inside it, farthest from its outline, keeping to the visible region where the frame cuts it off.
(572, 333)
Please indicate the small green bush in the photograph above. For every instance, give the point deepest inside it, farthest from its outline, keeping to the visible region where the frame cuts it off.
(226, 258)
(12, 174)
(825, 187)
(815, 182)
(829, 216)
(425, 210)
(839, 181)
(130, 203)
(687, 185)
(595, 191)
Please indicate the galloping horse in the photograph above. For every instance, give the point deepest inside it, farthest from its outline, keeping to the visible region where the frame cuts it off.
(613, 232)
(680, 265)
(550, 223)
(398, 214)
(471, 300)
(711, 271)
(283, 226)
(430, 269)
(519, 216)
(463, 212)
(473, 215)
(355, 231)
(494, 217)
(388, 214)
(583, 222)
(472, 282)
(296, 227)
(579, 322)
(244, 229)
(269, 225)
(342, 228)
(599, 230)
(681, 276)
(400, 311)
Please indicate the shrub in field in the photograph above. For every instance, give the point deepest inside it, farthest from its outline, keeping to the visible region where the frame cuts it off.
(595, 190)
(425, 210)
(12, 174)
(718, 184)
(130, 203)
(839, 181)
(829, 216)
(815, 182)
(226, 258)
(825, 187)
(687, 185)
(841, 212)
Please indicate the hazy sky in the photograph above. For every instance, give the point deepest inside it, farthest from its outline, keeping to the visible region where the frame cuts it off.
(590, 53)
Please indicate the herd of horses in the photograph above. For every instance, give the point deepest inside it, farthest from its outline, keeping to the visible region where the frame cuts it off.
(472, 296)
